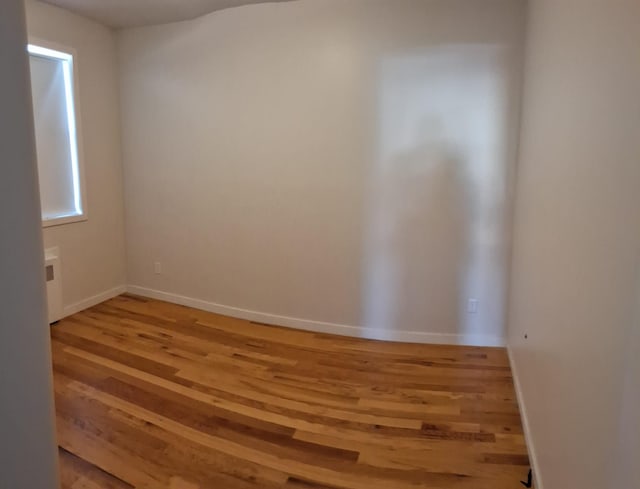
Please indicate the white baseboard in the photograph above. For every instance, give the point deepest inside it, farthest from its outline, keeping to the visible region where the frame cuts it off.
(94, 300)
(319, 326)
(525, 421)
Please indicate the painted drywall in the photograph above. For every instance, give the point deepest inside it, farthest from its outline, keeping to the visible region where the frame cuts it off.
(334, 165)
(577, 234)
(625, 471)
(93, 251)
(28, 455)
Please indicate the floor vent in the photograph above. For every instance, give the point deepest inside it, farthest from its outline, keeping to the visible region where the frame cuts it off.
(54, 284)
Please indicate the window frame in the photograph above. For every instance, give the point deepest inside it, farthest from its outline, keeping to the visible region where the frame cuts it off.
(53, 50)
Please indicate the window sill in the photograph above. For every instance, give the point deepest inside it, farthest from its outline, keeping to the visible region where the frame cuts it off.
(59, 221)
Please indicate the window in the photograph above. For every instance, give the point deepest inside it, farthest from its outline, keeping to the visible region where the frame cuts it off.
(57, 141)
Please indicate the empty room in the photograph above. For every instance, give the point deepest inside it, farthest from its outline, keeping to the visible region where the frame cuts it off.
(319, 244)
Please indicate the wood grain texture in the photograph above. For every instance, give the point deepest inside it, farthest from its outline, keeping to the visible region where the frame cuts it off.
(155, 395)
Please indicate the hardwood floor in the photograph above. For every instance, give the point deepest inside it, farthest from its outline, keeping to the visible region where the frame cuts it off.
(154, 395)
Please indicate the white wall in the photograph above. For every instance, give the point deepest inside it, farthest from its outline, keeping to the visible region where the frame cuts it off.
(577, 235)
(28, 456)
(340, 162)
(92, 252)
(626, 473)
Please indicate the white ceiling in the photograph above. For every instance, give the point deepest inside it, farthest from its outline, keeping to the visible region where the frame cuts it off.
(133, 13)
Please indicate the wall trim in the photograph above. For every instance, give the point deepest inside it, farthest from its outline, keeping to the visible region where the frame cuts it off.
(319, 326)
(93, 300)
(533, 459)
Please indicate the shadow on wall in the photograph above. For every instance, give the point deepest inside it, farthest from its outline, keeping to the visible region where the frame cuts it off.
(438, 210)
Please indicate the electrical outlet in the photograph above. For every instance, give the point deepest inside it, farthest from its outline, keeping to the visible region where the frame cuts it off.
(157, 268)
(472, 306)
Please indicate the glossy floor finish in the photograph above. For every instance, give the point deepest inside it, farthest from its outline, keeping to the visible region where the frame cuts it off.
(154, 395)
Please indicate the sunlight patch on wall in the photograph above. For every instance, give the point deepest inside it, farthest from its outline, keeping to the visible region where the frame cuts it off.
(437, 199)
